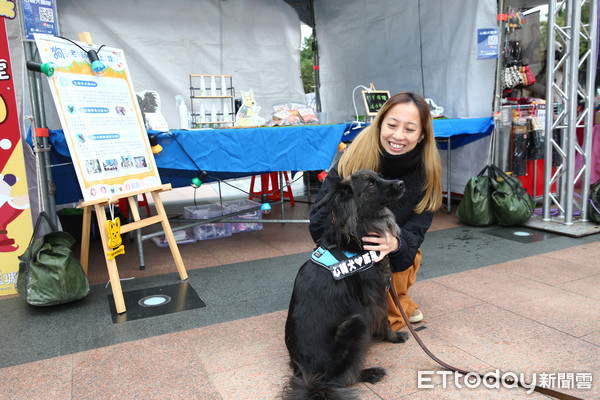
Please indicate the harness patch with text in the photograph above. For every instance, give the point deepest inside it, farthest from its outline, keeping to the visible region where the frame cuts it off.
(353, 264)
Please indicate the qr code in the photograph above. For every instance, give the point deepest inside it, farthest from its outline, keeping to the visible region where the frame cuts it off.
(46, 14)
(493, 40)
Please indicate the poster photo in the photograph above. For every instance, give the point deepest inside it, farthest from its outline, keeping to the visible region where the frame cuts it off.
(101, 120)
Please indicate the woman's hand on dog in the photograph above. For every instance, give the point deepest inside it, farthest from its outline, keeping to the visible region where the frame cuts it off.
(384, 244)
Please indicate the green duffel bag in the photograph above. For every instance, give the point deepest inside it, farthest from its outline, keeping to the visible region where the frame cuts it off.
(49, 273)
(475, 208)
(511, 203)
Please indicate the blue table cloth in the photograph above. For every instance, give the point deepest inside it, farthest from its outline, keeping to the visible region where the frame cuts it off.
(461, 131)
(223, 153)
(233, 153)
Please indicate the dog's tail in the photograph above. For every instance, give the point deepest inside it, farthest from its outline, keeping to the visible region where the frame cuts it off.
(314, 387)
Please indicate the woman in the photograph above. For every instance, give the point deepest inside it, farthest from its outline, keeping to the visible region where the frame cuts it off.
(399, 144)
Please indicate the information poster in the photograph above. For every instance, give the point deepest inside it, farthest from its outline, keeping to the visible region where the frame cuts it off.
(487, 43)
(101, 119)
(15, 215)
(38, 16)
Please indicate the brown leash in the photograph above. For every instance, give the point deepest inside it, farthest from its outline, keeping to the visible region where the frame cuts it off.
(539, 389)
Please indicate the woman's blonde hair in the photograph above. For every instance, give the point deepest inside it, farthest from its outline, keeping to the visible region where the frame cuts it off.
(365, 151)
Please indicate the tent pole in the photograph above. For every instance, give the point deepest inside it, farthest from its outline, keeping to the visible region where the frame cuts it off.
(494, 155)
(315, 49)
(41, 144)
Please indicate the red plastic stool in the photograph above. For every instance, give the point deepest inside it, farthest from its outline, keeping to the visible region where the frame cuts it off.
(274, 194)
(123, 206)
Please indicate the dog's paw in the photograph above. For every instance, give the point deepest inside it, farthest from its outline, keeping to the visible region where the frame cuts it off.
(399, 337)
(372, 375)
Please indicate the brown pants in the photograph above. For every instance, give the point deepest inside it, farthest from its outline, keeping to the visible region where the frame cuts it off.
(402, 281)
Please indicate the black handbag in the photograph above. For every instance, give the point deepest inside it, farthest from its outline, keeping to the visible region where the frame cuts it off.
(49, 273)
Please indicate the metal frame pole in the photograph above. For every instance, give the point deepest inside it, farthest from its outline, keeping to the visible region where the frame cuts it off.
(41, 145)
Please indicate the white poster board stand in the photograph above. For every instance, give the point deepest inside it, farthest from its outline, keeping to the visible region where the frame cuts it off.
(101, 119)
(108, 142)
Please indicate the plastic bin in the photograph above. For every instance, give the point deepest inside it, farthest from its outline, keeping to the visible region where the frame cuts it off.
(252, 216)
(208, 231)
(181, 237)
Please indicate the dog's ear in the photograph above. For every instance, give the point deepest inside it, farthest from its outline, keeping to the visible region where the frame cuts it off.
(341, 191)
(344, 190)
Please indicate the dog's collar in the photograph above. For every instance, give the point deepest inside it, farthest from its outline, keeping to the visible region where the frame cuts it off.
(340, 269)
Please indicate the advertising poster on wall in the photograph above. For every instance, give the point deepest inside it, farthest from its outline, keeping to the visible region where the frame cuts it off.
(15, 215)
(100, 116)
(38, 16)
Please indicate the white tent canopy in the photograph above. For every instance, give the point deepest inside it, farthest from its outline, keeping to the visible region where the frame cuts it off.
(427, 46)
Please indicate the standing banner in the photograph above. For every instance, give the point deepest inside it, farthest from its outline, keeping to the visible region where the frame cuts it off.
(101, 120)
(15, 216)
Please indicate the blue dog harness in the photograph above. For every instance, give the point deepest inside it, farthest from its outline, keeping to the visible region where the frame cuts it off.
(340, 269)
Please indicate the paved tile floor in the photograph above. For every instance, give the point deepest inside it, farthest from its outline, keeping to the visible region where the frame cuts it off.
(489, 304)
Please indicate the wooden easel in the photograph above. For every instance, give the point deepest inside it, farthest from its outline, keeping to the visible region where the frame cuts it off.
(161, 217)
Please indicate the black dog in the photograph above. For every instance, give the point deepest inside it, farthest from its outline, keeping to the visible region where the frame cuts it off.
(335, 312)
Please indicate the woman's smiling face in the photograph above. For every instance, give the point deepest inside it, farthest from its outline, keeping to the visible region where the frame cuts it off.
(401, 129)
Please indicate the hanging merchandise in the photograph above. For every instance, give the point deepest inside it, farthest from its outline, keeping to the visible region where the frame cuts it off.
(527, 76)
(515, 19)
(516, 74)
(512, 77)
(520, 142)
(535, 132)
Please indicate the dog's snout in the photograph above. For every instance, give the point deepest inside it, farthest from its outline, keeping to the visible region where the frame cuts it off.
(398, 188)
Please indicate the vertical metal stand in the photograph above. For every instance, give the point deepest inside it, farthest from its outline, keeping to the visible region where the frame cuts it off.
(570, 106)
(41, 145)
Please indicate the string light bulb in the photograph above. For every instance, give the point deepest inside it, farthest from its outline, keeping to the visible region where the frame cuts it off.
(98, 67)
(265, 207)
(45, 68)
(156, 148)
(197, 180)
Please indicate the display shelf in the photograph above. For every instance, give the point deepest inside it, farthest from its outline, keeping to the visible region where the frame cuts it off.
(212, 100)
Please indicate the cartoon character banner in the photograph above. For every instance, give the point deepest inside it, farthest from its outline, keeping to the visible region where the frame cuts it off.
(100, 116)
(15, 216)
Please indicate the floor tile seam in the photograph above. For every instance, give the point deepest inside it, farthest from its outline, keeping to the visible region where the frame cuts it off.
(579, 279)
(435, 280)
(526, 317)
(538, 322)
(590, 334)
(577, 293)
(240, 367)
(453, 345)
(516, 313)
(370, 388)
(208, 375)
(552, 285)
(528, 278)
